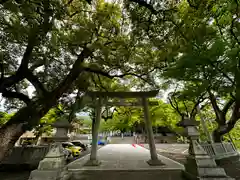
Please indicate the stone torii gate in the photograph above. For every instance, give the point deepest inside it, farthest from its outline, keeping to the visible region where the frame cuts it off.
(101, 98)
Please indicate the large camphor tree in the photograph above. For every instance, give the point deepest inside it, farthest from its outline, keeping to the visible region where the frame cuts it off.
(206, 39)
(55, 47)
(199, 42)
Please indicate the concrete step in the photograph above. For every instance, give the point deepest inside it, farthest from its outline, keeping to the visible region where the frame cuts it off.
(164, 174)
(224, 178)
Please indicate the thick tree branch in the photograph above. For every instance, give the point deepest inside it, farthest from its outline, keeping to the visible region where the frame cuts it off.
(36, 64)
(9, 81)
(232, 31)
(175, 101)
(40, 89)
(75, 106)
(215, 107)
(185, 106)
(34, 34)
(73, 74)
(108, 116)
(194, 110)
(32, 41)
(106, 74)
(227, 106)
(223, 73)
(93, 80)
(221, 130)
(100, 82)
(96, 84)
(175, 106)
(18, 95)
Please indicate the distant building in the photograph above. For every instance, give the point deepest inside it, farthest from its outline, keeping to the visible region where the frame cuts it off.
(29, 138)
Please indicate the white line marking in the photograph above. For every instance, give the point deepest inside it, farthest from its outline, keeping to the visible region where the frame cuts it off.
(184, 151)
(159, 149)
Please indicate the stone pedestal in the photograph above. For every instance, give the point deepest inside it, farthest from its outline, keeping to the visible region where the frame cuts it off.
(93, 162)
(199, 165)
(155, 162)
(53, 166)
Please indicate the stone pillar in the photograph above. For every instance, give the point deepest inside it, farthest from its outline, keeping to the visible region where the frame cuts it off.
(154, 161)
(53, 166)
(199, 165)
(93, 156)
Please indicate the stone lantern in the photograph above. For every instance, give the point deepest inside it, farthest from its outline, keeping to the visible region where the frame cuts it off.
(53, 166)
(199, 165)
(62, 126)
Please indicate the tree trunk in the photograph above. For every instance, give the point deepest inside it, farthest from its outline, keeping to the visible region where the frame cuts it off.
(9, 134)
(223, 129)
(223, 126)
(29, 116)
(217, 136)
(25, 119)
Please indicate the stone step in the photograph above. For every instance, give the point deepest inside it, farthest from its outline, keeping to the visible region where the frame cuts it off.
(206, 163)
(212, 178)
(208, 176)
(165, 174)
(211, 172)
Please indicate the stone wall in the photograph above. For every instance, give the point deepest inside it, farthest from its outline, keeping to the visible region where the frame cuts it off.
(24, 158)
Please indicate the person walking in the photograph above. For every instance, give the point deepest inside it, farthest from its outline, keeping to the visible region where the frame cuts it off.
(137, 138)
(108, 139)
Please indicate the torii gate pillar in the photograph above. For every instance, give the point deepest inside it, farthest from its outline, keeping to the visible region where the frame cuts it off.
(93, 161)
(154, 161)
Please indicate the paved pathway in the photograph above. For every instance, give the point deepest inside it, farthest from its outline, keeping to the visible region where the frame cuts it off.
(129, 160)
(171, 148)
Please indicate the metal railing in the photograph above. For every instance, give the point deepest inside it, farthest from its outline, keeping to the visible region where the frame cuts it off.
(220, 150)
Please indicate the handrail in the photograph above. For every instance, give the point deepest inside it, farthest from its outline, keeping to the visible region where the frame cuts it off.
(220, 150)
